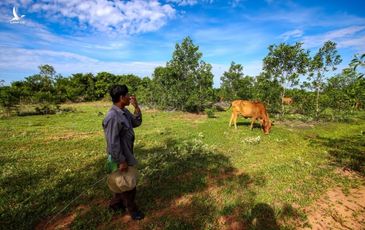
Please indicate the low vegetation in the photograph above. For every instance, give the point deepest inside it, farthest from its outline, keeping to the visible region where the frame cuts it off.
(196, 173)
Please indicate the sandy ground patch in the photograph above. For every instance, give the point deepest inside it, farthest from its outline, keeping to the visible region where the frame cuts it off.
(337, 210)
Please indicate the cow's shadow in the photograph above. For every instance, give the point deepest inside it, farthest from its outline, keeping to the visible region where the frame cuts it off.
(247, 123)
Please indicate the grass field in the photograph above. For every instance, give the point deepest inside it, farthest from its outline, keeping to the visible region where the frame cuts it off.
(196, 173)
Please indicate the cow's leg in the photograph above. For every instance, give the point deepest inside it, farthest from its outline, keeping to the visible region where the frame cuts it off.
(252, 121)
(235, 120)
(230, 121)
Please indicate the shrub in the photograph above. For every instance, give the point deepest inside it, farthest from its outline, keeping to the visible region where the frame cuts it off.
(210, 113)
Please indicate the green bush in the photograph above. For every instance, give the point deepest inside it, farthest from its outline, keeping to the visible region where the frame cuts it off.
(210, 113)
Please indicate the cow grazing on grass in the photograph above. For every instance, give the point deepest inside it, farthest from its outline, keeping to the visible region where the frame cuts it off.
(255, 110)
(287, 100)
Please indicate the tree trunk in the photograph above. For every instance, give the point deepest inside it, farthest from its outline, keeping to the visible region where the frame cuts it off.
(317, 103)
(282, 103)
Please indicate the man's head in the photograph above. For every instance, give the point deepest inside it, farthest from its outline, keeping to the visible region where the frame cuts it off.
(119, 95)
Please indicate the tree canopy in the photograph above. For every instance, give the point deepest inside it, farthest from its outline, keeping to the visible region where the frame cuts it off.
(186, 82)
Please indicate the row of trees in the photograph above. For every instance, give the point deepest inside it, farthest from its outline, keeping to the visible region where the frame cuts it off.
(186, 82)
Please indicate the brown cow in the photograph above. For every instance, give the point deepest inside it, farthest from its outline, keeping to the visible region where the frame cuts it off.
(255, 110)
(287, 100)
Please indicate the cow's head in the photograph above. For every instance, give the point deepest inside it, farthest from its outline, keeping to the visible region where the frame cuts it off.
(266, 126)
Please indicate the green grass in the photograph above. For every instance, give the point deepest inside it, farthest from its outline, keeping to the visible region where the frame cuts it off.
(195, 171)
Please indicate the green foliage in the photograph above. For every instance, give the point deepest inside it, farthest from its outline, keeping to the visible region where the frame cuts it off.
(358, 61)
(47, 71)
(234, 85)
(210, 113)
(61, 88)
(8, 99)
(48, 88)
(186, 81)
(286, 62)
(39, 88)
(268, 91)
(82, 87)
(103, 82)
(323, 61)
(303, 102)
(145, 93)
(345, 91)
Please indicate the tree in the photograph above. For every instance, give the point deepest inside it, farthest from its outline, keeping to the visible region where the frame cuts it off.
(82, 87)
(235, 85)
(267, 90)
(47, 70)
(203, 82)
(186, 80)
(325, 60)
(132, 81)
(103, 81)
(8, 99)
(355, 85)
(286, 62)
(184, 66)
(146, 92)
(164, 88)
(61, 87)
(358, 61)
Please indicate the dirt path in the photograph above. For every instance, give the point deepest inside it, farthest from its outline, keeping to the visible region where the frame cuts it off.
(336, 210)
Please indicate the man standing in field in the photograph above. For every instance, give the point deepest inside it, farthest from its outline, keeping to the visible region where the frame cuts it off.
(118, 128)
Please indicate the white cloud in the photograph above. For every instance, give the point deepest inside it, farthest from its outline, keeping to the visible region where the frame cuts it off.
(345, 37)
(344, 32)
(184, 2)
(358, 43)
(106, 16)
(35, 35)
(191, 2)
(292, 15)
(291, 34)
(66, 63)
(252, 68)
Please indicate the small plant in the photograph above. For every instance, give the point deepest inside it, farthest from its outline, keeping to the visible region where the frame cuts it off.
(210, 113)
(252, 140)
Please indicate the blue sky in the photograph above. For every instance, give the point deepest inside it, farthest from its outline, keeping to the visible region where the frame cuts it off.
(124, 37)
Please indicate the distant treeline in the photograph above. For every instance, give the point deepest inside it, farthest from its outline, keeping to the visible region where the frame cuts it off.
(186, 83)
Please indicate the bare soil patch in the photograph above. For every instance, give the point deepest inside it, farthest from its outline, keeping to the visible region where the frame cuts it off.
(73, 135)
(62, 222)
(297, 124)
(337, 210)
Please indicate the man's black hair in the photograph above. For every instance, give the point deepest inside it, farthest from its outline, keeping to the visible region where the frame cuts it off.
(118, 90)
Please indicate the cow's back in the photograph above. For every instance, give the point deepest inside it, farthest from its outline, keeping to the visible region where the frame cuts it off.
(248, 108)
